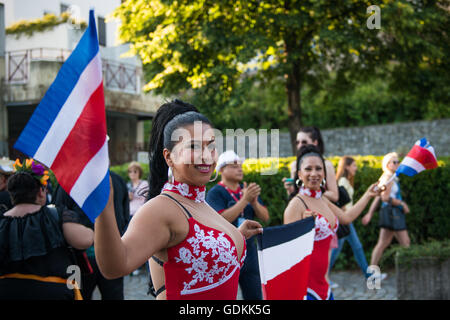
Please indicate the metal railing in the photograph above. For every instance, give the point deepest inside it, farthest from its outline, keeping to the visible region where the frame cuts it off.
(117, 76)
(121, 76)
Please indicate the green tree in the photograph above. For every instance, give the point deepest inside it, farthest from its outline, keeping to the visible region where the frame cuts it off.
(210, 47)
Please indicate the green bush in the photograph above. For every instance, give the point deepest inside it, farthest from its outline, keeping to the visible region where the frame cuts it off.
(426, 194)
(433, 249)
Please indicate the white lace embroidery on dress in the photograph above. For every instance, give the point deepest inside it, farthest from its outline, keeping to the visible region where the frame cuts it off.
(201, 195)
(323, 229)
(219, 248)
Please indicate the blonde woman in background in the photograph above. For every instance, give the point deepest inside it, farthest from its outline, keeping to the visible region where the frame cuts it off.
(390, 195)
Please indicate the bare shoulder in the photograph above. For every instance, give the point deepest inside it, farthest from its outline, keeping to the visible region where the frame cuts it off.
(160, 219)
(294, 210)
(161, 208)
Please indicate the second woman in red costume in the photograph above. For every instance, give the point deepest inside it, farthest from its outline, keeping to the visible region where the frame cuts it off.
(309, 201)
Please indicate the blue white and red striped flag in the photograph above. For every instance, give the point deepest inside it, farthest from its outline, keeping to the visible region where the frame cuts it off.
(67, 131)
(284, 258)
(419, 158)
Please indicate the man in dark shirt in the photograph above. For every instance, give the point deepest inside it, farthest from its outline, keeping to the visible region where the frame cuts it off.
(109, 289)
(237, 202)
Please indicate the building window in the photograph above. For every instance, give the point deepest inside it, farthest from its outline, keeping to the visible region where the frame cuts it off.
(63, 8)
(101, 31)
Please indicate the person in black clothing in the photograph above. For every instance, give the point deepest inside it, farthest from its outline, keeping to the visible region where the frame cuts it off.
(35, 239)
(109, 289)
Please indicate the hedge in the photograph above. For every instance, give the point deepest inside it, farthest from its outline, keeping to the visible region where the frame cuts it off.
(427, 195)
(433, 249)
(47, 22)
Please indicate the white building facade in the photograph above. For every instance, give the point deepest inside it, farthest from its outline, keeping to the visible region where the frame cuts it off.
(29, 64)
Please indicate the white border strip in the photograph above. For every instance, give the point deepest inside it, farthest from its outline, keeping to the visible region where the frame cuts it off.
(64, 122)
(93, 173)
(416, 165)
(277, 259)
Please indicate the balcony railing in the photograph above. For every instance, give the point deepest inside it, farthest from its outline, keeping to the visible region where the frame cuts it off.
(116, 76)
(121, 76)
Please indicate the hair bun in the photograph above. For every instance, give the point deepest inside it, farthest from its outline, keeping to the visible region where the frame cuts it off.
(309, 148)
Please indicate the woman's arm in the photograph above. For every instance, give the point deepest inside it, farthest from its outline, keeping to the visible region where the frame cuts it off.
(233, 212)
(373, 207)
(77, 235)
(332, 192)
(385, 194)
(296, 211)
(352, 213)
(289, 186)
(249, 228)
(148, 232)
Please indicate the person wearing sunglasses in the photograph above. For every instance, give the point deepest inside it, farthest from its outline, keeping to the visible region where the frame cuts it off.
(391, 196)
(136, 187)
(312, 136)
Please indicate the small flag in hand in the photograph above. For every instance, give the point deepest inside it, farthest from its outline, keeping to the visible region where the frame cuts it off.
(420, 158)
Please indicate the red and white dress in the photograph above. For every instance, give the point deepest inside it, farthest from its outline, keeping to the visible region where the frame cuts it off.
(318, 286)
(205, 265)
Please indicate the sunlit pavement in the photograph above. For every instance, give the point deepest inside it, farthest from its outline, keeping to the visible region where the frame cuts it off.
(352, 286)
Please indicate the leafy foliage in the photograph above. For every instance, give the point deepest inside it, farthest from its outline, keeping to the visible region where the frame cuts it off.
(229, 55)
(47, 22)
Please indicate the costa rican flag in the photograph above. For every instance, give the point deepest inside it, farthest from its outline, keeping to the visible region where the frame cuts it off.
(67, 131)
(420, 158)
(284, 258)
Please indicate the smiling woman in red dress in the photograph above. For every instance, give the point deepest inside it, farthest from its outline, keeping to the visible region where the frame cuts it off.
(196, 253)
(309, 201)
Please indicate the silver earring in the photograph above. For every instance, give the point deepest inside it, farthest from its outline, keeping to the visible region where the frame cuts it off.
(324, 183)
(299, 183)
(170, 176)
(215, 177)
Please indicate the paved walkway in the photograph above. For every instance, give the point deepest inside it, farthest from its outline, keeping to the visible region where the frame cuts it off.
(352, 286)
